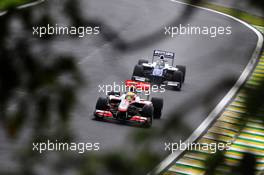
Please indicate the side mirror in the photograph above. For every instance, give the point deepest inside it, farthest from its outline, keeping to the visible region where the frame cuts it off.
(114, 93)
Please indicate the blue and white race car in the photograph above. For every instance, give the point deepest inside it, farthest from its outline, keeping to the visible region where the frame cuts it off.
(160, 70)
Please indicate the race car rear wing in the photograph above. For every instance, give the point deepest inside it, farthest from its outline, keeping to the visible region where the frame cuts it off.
(142, 88)
(138, 85)
(165, 54)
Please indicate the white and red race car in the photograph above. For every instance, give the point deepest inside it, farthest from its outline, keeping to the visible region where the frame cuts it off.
(131, 106)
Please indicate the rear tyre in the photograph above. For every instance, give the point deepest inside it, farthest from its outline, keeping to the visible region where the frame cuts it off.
(141, 61)
(158, 105)
(147, 111)
(138, 71)
(183, 70)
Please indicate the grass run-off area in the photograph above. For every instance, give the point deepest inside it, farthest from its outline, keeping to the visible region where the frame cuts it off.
(249, 18)
(9, 4)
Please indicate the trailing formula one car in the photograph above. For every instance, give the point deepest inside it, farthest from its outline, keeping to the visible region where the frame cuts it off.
(131, 106)
(160, 71)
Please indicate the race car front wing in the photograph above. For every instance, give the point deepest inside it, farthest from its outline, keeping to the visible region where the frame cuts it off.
(109, 115)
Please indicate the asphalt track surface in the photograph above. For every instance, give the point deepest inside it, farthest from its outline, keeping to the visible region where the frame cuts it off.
(208, 61)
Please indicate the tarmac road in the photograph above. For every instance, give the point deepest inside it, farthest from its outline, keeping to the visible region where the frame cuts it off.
(208, 61)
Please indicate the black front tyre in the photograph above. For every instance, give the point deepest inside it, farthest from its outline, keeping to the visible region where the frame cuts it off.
(101, 103)
(158, 105)
(138, 71)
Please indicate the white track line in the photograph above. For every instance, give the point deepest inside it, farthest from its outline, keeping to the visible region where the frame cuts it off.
(167, 162)
(30, 4)
(3, 13)
(24, 6)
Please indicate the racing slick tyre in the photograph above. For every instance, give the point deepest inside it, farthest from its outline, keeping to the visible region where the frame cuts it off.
(158, 105)
(177, 77)
(147, 111)
(183, 70)
(138, 71)
(101, 103)
(141, 61)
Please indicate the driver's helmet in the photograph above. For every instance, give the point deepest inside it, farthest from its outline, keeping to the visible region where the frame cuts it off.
(130, 96)
(161, 62)
(132, 89)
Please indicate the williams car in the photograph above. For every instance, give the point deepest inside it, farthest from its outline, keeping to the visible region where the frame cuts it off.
(160, 70)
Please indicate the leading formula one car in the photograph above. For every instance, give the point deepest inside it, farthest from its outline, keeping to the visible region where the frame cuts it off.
(132, 106)
(160, 70)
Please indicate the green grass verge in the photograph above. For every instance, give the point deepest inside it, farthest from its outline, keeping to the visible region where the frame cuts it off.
(260, 28)
(9, 4)
(249, 18)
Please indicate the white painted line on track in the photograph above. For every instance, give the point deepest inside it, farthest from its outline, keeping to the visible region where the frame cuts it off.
(168, 161)
(24, 6)
(3, 13)
(30, 4)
